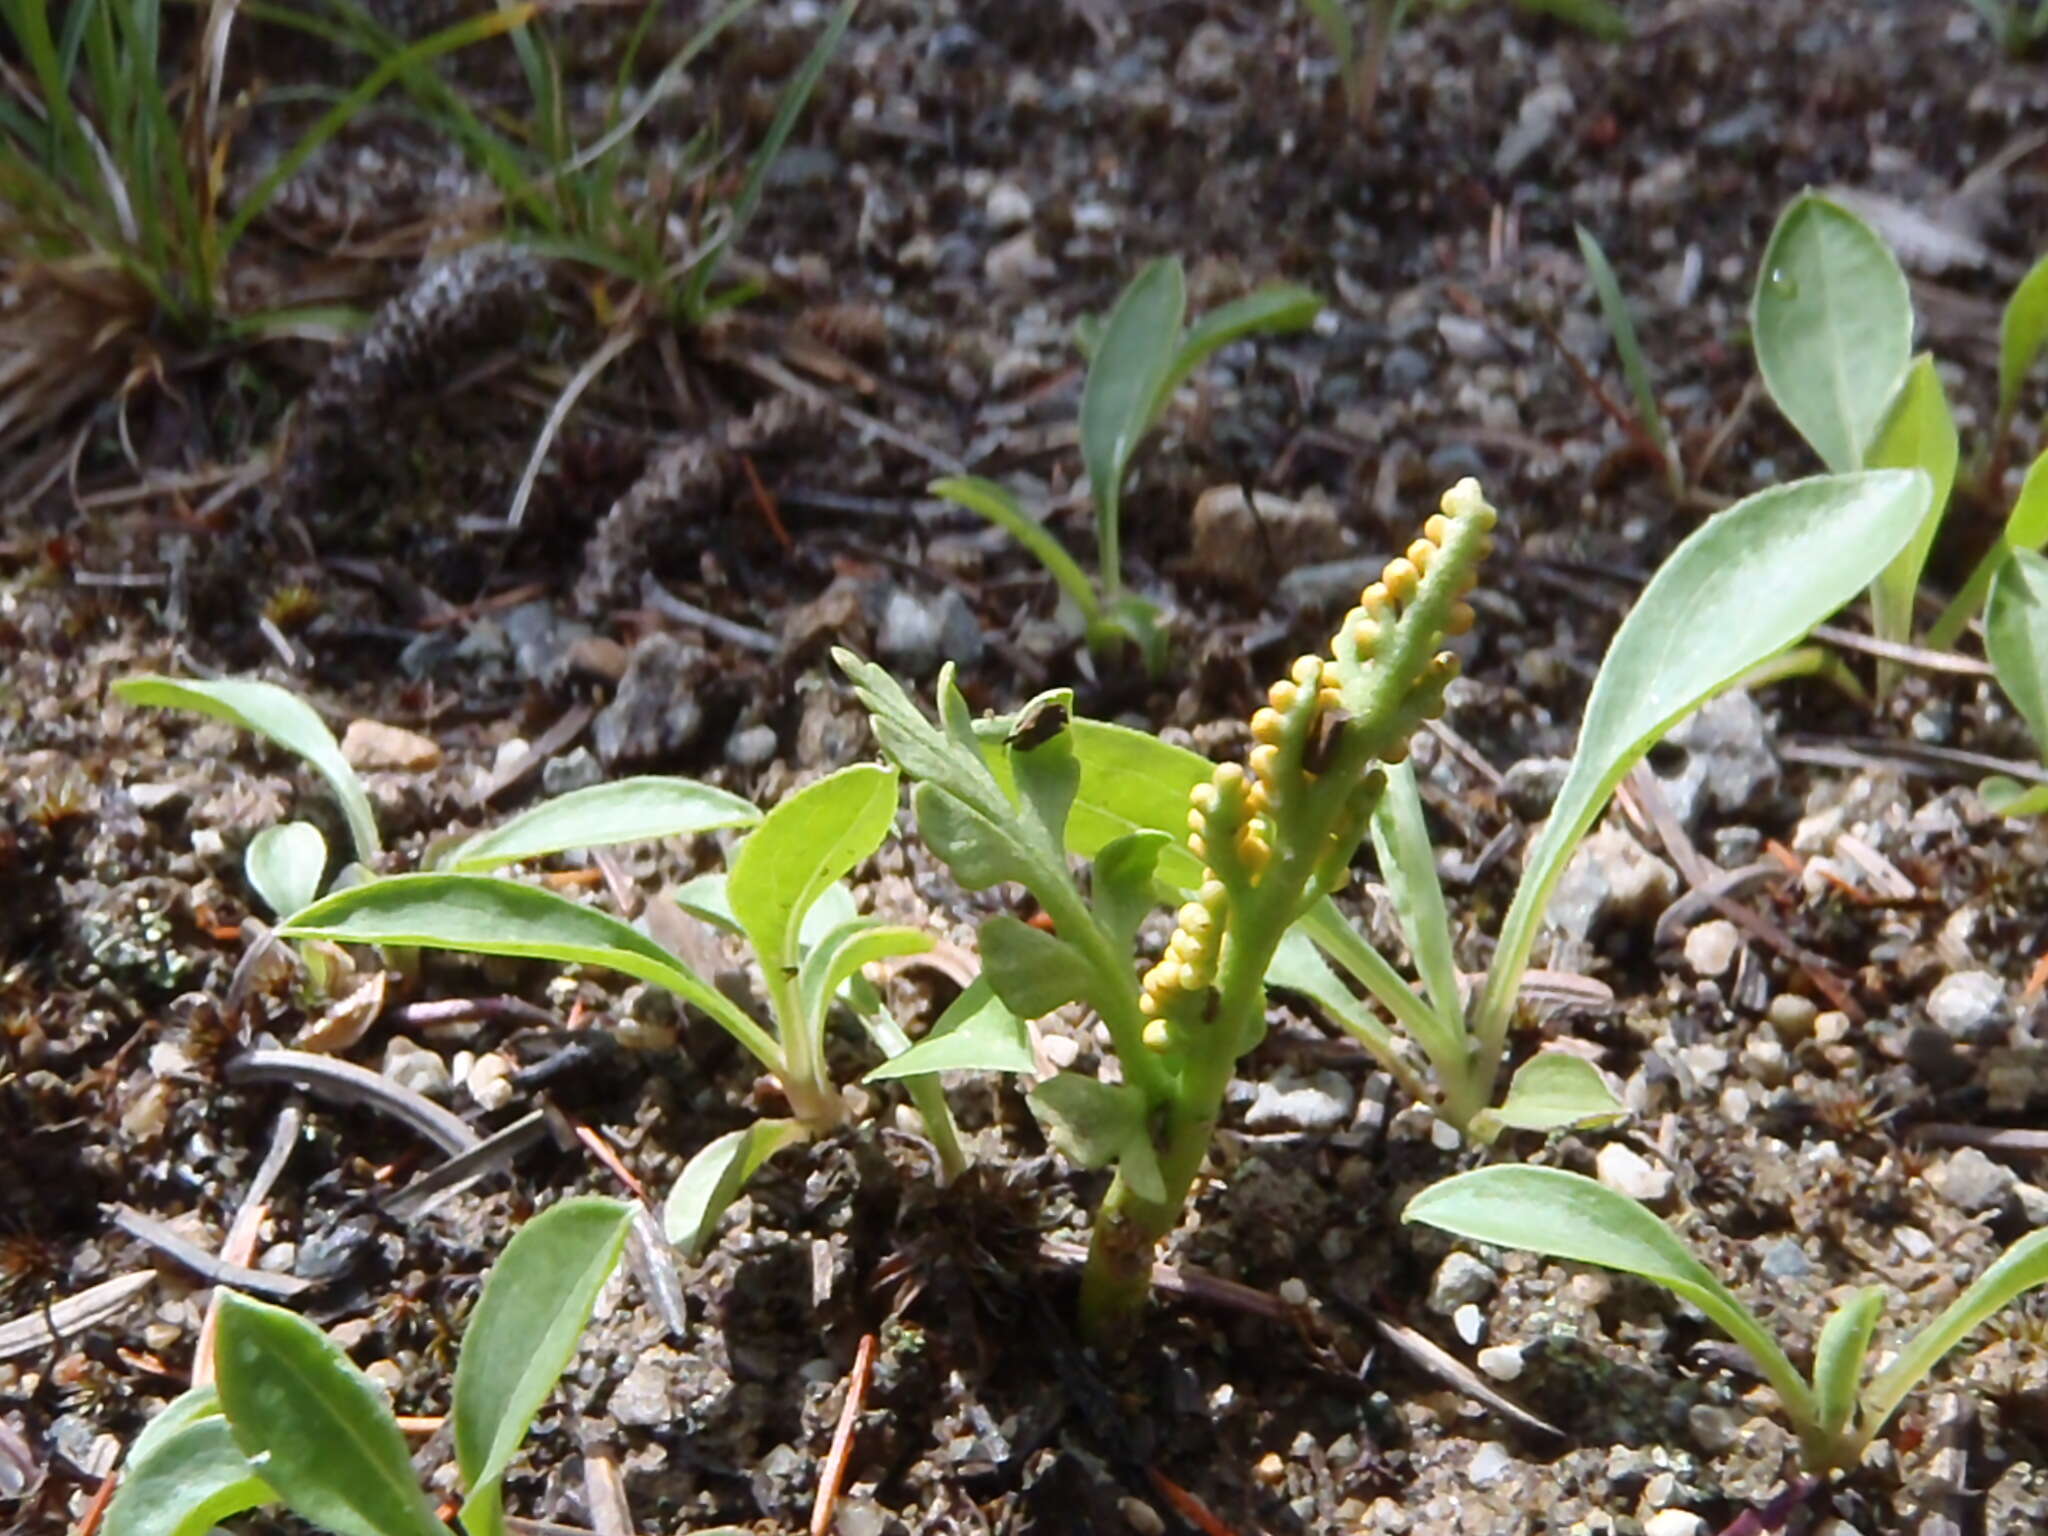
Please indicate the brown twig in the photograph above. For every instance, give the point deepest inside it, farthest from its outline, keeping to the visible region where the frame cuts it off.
(833, 1474)
(1186, 1505)
(770, 513)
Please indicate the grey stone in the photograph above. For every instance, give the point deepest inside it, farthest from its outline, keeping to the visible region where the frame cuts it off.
(1535, 125)
(1530, 787)
(1405, 370)
(415, 1068)
(655, 712)
(1461, 1280)
(1969, 1006)
(918, 632)
(1714, 1428)
(1786, 1260)
(1467, 340)
(1972, 1182)
(751, 746)
(1301, 1101)
(1612, 878)
(1728, 757)
(570, 772)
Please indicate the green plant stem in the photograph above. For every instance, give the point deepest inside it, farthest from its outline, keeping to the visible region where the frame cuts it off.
(1956, 617)
(812, 1098)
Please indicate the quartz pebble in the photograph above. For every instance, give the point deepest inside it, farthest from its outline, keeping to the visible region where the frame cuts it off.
(370, 744)
(1972, 1182)
(1628, 1172)
(1460, 1280)
(1503, 1362)
(1710, 948)
(1969, 1007)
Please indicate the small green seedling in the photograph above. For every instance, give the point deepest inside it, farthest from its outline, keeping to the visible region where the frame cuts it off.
(1140, 356)
(291, 1420)
(1835, 1411)
(1833, 321)
(784, 892)
(1009, 802)
(1628, 348)
(2016, 640)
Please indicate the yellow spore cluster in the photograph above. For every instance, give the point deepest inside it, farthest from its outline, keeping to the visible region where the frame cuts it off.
(1233, 817)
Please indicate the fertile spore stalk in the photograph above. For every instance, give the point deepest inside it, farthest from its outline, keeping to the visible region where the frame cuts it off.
(1276, 837)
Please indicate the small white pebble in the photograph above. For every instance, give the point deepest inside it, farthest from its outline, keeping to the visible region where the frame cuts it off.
(1503, 1362)
(1674, 1522)
(1294, 1293)
(1470, 1323)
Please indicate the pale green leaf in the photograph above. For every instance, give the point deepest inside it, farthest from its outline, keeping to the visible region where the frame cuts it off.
(1122, 394)
(979, 851)
(479, 915)
(2005, 796)
(278, 715)
(535, 1306)
(1002, 508)
(1568, 1216)
(2022, 331)
(629, 811)
(2026, 526)
(285, 865)
(184, 1474)
(1407, 860)
(314, 1427)
(1920, 433)
(1096, 1124)
(2020, 1269)
(2016, 637)
(976, 1034)
(1748, 583)
(1555, 1090)
(810, 841)
(829, 963)
(1628, 348)
(1833, 322)
(713, 1179)
(1838, 1357)
(1275, 309)
(1033, 972)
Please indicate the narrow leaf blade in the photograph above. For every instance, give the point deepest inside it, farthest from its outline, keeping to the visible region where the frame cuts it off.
(1838, 1356)
(1274, 309)
(1920, 433)
(629, 811)
(1833, 321)
(2022, 331)
(314, 1427)
(277, 715)
(1122, 392)
(2021, 1268)
(536, 1303)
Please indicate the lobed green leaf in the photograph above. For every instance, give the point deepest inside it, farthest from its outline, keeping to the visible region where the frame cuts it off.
(1032, 972)
(1097, 1125)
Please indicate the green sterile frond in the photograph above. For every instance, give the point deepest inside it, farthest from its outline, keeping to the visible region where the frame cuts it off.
(1391, 671)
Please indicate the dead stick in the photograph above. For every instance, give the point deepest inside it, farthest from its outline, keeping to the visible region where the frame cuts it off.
(834, 1472)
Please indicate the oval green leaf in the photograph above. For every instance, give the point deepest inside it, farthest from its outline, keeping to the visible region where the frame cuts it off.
(313, 1427)
(814, 838)
(280, 716)
(2006, 796)
(630, 811)
(184, 1474)
(1568, 1216)
(1555, 1090)
(536, 1303)
(713, 1179)
(1033, 972)
(2016, 637)
(285, 865)
(1741, 588)
(1833, 321)
(478, 915)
